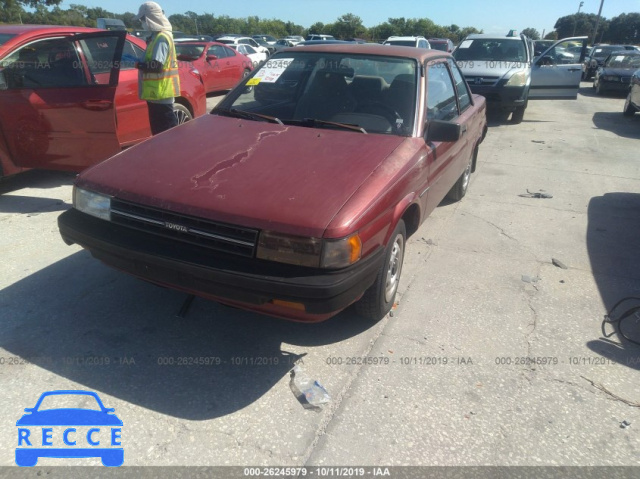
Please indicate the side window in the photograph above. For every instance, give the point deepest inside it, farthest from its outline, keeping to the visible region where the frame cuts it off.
(422, 44)
(464, 97)
(441, 95)
(229, 52)
(130, 52)
(52, 63)
(249, 50)
(217, 50)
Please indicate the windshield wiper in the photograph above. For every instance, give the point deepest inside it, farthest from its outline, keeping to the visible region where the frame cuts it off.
(234, 112)
(315, 122)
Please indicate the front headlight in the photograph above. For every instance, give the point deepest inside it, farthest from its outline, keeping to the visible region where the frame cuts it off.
(518, 79)
(312, 252)
(91, 203)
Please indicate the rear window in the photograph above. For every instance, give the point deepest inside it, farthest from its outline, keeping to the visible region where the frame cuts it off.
(439, 46)
(402, 43)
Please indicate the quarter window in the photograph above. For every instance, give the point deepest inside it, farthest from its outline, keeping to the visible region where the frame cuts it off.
(441, 95)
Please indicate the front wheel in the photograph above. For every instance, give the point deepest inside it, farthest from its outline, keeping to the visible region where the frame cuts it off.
(457, 192)
(629, 110)
(379, 298)
(182, 113)
(518, 115)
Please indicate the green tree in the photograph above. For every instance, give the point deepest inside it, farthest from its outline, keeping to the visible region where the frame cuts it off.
(349, 26)
(552, 35)
(624, 28)
(317, 27)
(531, 33)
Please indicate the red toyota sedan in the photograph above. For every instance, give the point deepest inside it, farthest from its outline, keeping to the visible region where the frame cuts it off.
(69, 96)
(295, 196)
(221, 67)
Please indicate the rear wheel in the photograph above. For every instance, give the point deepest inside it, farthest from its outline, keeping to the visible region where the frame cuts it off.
(182, 113)
(629, 110)
(379, 298)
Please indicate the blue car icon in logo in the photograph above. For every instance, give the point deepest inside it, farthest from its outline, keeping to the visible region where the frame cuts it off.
(69, 432)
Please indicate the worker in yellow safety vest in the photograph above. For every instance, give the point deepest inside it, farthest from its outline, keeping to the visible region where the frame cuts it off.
(158, 80)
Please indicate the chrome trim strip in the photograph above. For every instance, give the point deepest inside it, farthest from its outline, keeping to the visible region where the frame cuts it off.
(221, 238)
(139, 218)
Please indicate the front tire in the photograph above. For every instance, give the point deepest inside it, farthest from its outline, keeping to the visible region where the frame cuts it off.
(457, 192)
(182, 113)
(518, 115)
(629, 110)
(378, 300)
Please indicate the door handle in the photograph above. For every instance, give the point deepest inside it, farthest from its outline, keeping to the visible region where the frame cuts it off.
(463, 129)
(97, 105)
(575, 69)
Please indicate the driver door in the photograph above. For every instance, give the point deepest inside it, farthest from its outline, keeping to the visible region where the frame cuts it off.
(57, 97)
(557, 72)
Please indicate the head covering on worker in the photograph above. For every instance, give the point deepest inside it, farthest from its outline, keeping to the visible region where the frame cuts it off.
(153, 18)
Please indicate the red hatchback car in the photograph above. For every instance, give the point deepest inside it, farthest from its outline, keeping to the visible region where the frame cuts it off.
(295, 196)
(221, 67)
(69, 96)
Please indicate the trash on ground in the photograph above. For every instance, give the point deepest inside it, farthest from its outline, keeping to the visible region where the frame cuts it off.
(536, 194)
(625, 424)
(558, 263)
(309, 392)
(538, 141)
(530, 279)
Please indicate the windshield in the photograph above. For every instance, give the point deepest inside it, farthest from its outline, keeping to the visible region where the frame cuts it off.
(624, 61)
(4, 37)
(491, 49)
(371, 92)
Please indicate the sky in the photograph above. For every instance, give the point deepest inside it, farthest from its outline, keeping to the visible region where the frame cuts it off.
(492, 16)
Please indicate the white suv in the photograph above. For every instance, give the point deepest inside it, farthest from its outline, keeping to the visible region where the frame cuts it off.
(417, 42)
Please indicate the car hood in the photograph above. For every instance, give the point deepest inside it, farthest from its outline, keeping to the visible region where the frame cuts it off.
(69, 417)
(490, 68)
(289, 179)
(618, 71)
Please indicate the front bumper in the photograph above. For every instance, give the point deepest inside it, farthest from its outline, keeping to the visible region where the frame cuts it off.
(503, 97)
(617, 86)
(244, 282)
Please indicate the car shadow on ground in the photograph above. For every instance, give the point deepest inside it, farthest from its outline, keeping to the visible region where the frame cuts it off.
(117, 335)
(616, 122)
(40, 179)
(613, 242)
(31, 205)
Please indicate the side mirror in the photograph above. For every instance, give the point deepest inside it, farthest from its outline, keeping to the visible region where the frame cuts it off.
(439, 130)
(211, 58)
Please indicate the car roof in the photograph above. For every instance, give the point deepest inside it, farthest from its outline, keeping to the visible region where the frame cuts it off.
(419, 54)
(478, 36)
(403, 37)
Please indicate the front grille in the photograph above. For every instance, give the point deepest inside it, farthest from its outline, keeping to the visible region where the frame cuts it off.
(475, 80)
(187, 229)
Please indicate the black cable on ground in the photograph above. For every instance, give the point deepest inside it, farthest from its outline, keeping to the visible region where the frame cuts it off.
(628, 313)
